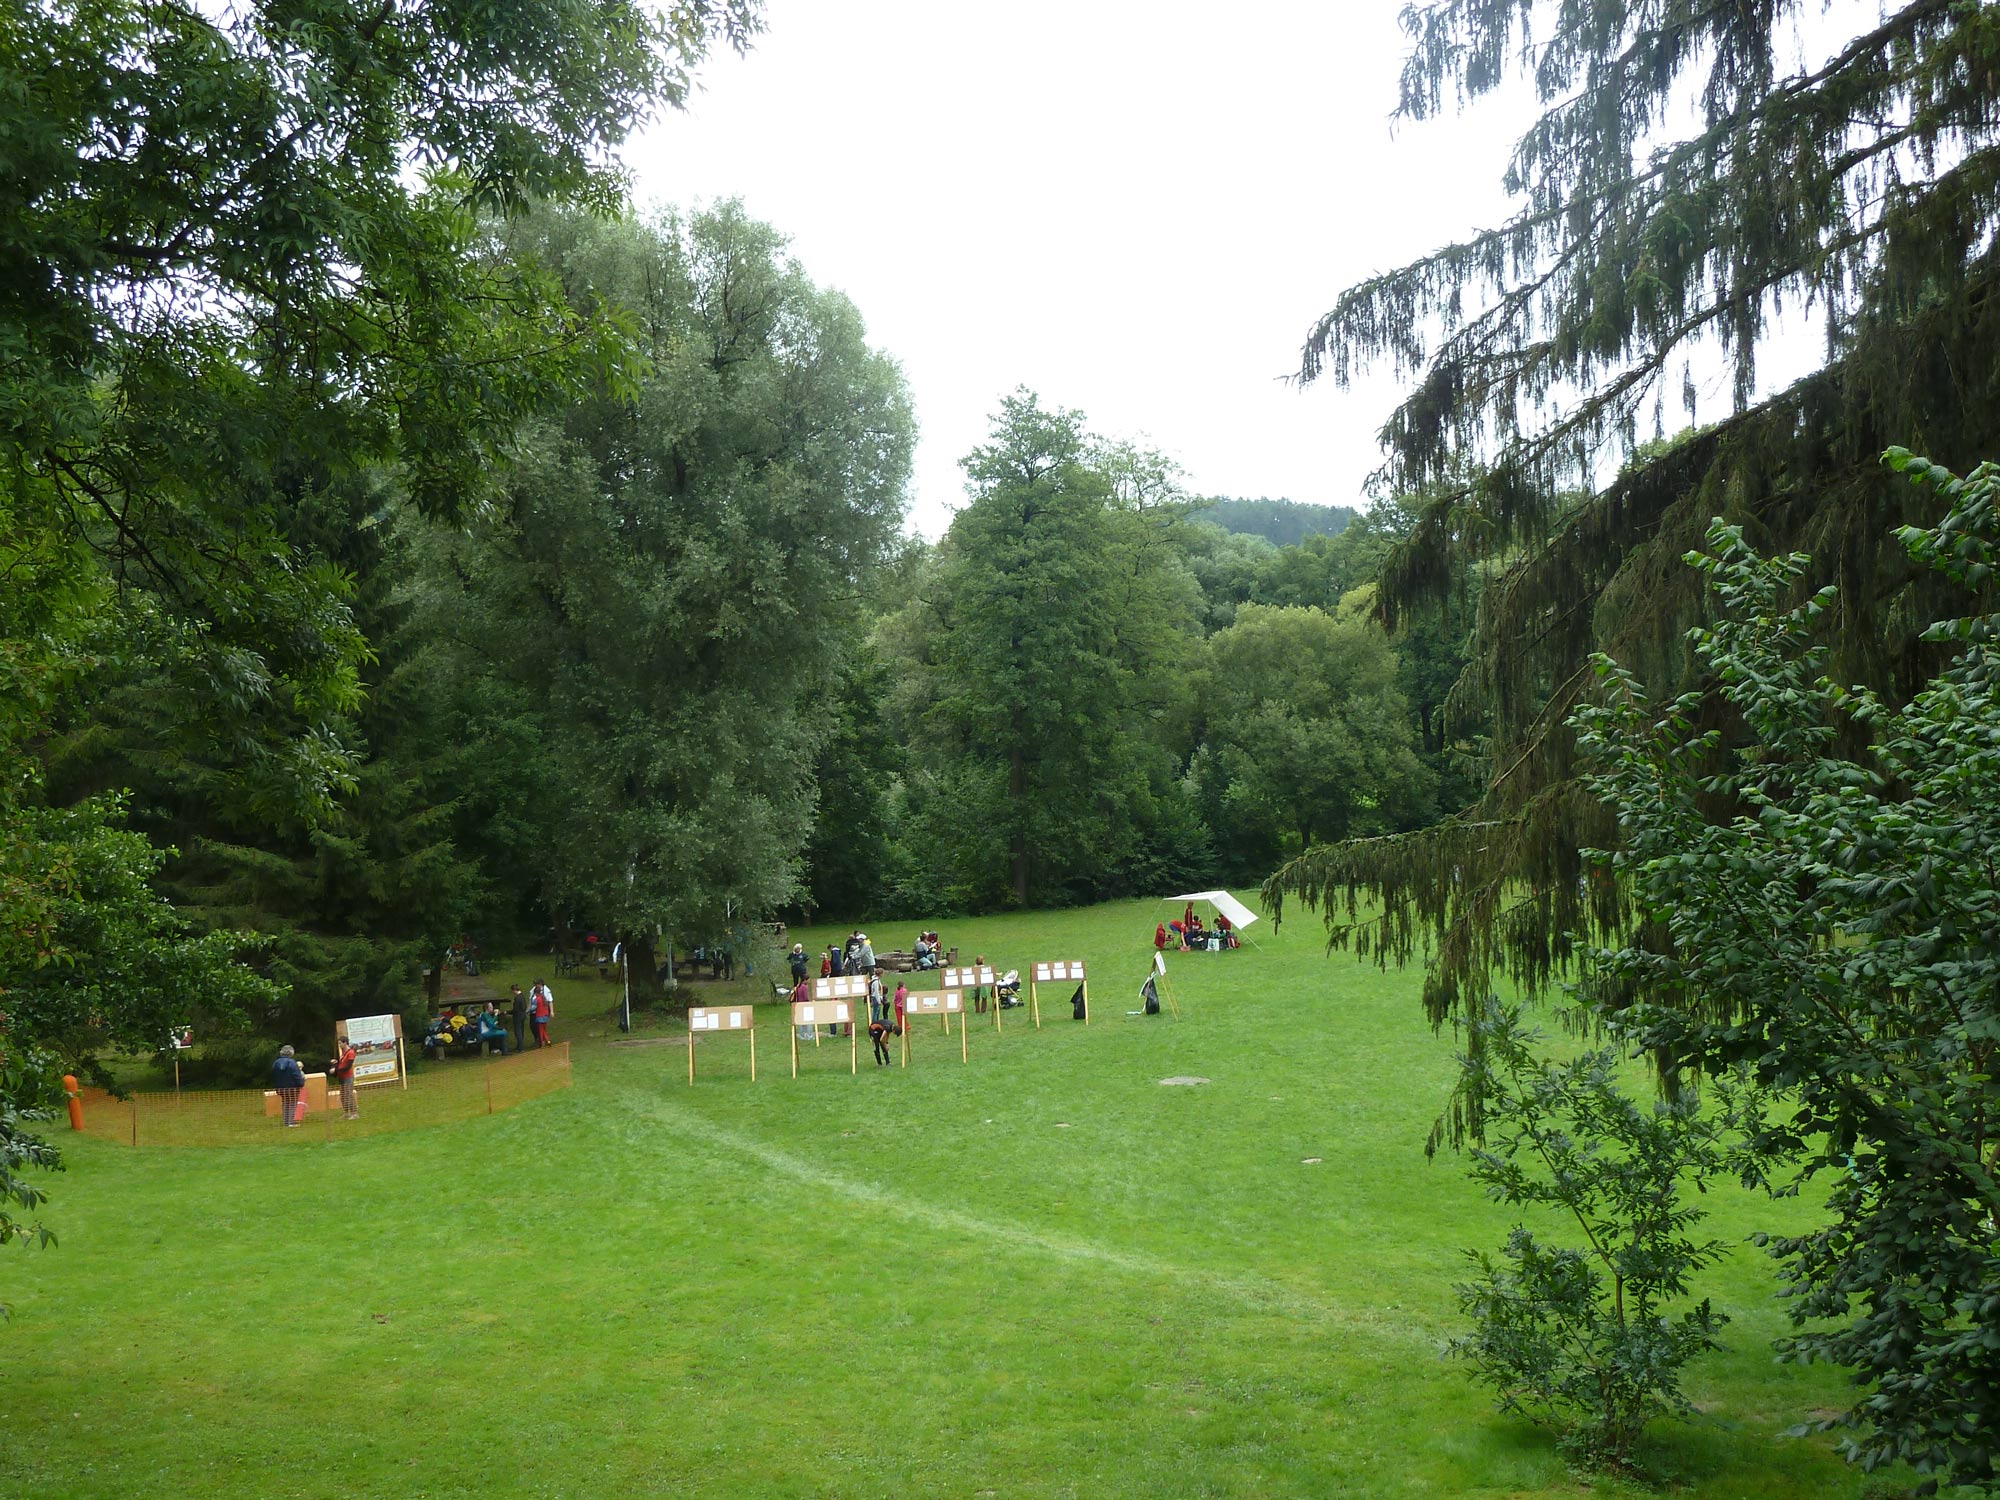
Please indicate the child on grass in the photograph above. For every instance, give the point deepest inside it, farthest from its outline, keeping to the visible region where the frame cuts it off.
(878, 1033)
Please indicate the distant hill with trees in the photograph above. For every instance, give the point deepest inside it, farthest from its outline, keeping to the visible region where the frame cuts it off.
(1285, 523)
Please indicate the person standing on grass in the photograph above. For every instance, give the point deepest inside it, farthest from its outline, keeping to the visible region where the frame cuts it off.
(878, 1033)
(288, 1078)
(875, 997)
(542, 1008)
(801, 993)
(520, 1019)
(798, 962)
(902, 1004)
(342, 1069)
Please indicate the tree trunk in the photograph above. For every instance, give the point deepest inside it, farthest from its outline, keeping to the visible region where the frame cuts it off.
(1017, 791)
(640, 966)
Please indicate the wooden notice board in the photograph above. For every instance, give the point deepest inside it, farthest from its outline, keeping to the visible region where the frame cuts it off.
(832, 1012)
(1057, 971)
(944, 1004)
(975, 977)
(719, 1020)
(378, 1048)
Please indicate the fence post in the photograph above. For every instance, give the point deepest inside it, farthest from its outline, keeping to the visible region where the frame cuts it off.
(135, 1117)
(488, 1071)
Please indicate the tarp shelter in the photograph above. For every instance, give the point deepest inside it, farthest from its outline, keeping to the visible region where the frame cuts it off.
(1240, 916)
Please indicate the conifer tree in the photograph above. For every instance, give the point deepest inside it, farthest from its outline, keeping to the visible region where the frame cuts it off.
(1860, 180)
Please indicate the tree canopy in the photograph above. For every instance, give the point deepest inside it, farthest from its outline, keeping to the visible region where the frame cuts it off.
(1860, 183)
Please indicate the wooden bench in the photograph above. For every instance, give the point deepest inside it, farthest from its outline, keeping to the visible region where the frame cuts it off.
(906, 963)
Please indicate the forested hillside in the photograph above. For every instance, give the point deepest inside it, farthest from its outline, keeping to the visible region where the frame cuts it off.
(1283, 523)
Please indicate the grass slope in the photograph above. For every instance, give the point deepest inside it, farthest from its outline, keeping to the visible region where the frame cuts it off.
(1042, 1274)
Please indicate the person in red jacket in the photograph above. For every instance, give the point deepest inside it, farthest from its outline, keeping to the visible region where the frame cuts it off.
(342, 1068)
(542, 1010)
(1160, 937)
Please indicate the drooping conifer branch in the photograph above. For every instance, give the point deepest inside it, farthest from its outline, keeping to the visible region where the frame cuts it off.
(1865, 186)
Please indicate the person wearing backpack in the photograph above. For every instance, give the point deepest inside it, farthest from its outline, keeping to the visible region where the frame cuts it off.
(288, 1078)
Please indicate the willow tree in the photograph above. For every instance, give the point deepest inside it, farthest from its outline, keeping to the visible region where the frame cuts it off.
(1854, 180)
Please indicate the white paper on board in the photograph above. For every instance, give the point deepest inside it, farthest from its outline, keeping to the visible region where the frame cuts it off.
(736, 1020)
(805, 1014)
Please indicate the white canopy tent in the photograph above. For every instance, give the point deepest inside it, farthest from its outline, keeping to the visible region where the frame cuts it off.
(1240, 916)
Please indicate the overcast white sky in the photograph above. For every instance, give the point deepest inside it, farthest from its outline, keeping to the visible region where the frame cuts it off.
(1135, 209)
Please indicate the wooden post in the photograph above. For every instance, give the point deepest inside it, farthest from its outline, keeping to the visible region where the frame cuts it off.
(1034, 1000)
(1086, 1002)
(753, 1054)
(487, 1070)
(794, 1030)
(402, 1062)
(963, 1055)
(906, 1039)
(853, 1050)
(690, 1056)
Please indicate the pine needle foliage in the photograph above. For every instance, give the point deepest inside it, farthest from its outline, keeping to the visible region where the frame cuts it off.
(1861, 185)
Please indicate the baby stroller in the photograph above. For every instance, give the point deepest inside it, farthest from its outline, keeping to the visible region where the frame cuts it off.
(1008, 992)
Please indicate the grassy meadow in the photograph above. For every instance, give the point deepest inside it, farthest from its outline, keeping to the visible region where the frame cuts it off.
(1039, 1274)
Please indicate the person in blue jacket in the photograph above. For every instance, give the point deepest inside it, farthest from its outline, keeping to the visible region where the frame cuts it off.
(288, 1078)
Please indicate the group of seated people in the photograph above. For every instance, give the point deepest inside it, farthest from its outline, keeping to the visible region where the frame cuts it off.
(485, 1030)
(1191, 936)
(928, 950)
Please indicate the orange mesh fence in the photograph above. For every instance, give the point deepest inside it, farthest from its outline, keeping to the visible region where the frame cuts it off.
(458, 1089)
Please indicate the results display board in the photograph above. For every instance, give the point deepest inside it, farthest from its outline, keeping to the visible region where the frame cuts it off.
(1057, 971)
(829, 1012)
(712, 1020)
(378, 1047)
(944, 1004)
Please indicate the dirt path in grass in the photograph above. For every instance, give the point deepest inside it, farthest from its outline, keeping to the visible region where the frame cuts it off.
(705, 1137)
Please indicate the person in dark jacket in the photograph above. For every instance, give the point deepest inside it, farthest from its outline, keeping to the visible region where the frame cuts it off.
(520, 1019)
(798, 962)
(878, 1033)
(289, 1079)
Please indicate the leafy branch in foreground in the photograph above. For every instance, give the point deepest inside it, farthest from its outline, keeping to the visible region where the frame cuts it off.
(1827, 920)
(1580, 1338)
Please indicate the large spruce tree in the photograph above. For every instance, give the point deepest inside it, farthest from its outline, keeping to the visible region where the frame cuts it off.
(1856, 176)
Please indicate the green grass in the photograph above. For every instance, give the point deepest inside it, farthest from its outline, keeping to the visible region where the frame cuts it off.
(1042, 1274)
